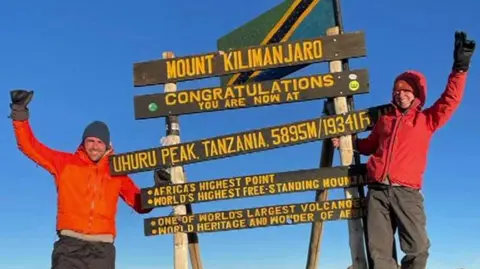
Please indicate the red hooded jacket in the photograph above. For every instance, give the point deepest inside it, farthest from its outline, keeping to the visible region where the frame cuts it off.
(87, 193)
(399, 142)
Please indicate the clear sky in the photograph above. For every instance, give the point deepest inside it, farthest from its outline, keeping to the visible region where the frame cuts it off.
(78, 56)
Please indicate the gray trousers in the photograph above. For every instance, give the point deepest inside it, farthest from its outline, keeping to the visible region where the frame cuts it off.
(72, 253)
(391, 208)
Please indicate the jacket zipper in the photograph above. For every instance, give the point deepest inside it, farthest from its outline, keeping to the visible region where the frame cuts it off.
(92, 204)
(390, 147)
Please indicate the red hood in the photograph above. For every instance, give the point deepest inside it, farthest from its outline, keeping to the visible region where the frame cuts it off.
(419, 84)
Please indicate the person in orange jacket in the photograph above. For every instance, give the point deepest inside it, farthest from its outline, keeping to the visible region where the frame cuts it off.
(87, 193)
(398, 146)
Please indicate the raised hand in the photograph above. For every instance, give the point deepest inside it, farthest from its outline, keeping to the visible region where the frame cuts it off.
(20, 99)
(463, 51)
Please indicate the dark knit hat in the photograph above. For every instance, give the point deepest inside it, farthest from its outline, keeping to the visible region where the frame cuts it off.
(99, 130)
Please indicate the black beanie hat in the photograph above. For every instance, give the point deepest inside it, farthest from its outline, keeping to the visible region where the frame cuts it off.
(99, 130)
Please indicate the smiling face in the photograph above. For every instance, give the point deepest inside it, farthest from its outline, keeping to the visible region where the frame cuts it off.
(403, 94)
(404, 98)
(95, 148)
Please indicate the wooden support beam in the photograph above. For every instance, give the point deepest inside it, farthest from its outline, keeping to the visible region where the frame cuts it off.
(355, 227)
(326, 160)
(180, 240)
(193, 245)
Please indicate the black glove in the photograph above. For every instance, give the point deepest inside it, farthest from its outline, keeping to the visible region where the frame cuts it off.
(162, 178)
(463, 51)
(20, 100)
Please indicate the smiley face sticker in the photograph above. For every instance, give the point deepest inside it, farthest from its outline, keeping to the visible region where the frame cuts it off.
(353, 85)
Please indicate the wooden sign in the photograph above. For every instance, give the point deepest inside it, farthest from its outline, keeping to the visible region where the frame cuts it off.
(305, 51)
(267, 216)
(272, 92)
(245, 142)
(254, 185)
(290, 20)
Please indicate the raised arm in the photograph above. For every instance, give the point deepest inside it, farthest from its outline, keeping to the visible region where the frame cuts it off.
(442, 110)
(130, 193)
(49, 159)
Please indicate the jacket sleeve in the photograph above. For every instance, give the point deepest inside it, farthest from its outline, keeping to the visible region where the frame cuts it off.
(130, 193)
(442, 110)
(367, 146)
(50, 159)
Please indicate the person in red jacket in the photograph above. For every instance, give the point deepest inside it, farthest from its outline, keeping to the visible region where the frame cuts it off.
(398, 147)
(87, 193)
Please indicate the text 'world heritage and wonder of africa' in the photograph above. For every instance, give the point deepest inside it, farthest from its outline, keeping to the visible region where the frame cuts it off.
(276, 215)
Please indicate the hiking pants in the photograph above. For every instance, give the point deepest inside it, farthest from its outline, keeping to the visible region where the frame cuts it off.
(72, 253)
(391, 208)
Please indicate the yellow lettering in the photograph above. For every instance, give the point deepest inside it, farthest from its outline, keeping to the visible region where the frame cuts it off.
(178, 153)
(190, 66)
(328, 80)
(169, 229)
(346, 213)
(260, 179)
(258, 217)
(266, 99)
(296, 133)
(257, 222)
(253, 191)
(240, 102)
(274, 55)
(292, 96)
(330, 205)
(336, 182)
(134, 161)
(218, 194)
(338, 124)
(233, 144)
(234, 96)
(295, 186)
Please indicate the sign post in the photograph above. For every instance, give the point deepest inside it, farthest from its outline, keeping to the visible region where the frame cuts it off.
(355, 227)
(252, 67)
(180, 240)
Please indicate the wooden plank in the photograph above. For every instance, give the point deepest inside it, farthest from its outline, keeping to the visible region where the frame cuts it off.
(194, 245)
(287, 21)
(266, 216)
(254, 185)
(235, 144)
(355, 227)
(316, 233)
(253, 58)
(180, 240)
(255, 94)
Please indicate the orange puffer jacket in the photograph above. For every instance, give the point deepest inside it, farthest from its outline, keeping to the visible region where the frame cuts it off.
(87, 194)
(398, 143)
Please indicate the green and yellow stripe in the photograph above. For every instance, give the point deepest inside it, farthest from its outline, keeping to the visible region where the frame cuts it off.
(280, 32)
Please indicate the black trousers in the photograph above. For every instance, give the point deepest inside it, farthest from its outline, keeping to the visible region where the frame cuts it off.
(72, 253)
(391, 208)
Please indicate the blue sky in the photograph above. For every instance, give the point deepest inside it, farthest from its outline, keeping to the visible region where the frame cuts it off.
(78, 56)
